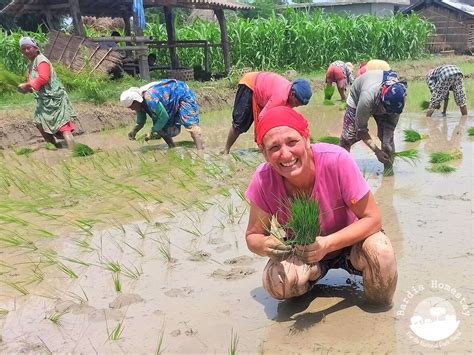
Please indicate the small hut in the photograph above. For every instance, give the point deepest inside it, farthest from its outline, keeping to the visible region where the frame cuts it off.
(454, 23)
(124, 9)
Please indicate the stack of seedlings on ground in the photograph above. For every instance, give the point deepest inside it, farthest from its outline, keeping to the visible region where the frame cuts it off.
(438, 159)
(82, 150)
(329, 139)
(470, 131)
(328, 92)
(304, 223)
(412, 136)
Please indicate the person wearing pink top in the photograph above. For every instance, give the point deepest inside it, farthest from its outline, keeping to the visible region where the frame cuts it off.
(258, 92)
(350, 237)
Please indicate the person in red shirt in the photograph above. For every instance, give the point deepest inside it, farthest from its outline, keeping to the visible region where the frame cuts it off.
(257, 93)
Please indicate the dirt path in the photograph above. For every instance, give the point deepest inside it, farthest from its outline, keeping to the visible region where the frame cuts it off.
(16, 127)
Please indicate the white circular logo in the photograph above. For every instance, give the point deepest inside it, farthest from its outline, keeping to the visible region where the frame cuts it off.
(434, 319)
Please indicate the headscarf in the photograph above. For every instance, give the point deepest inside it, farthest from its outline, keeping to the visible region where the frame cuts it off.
(28, 41)
(128, 96)
(393, 97)
(302, 90)
(281, 116)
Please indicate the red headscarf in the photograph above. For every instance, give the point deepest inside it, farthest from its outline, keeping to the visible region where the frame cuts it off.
(281, 116)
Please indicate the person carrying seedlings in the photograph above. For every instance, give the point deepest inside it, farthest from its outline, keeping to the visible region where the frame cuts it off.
(379, 94)
(171, 104)
(348, 221)
(341, 74)
(258, 92)
(440, 81)
(53, 114)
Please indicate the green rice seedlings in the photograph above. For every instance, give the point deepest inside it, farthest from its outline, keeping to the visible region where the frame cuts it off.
(18, 287)
(50, 146)
(304, 223)
(443, 157)
(83, 243)
(470, 131)
(442, 168)
(343, 106)
(329, 92)
(117, 283)
(137, 250)
(424, 105)
(16, 240)
(67, 270)
(76, 261)
(82, 150)
(327, 102)
(329, 139)
(81, 299)
(113, 266)
(24, 151)
(3, 312)
(158, 350)
(234, 341)
(116, 332)
(55, 317)
(132, 273)
(164, 249)
(411, 135)
(409, 156)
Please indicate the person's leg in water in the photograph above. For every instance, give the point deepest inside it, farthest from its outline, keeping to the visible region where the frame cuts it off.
(459, 94)
(386, 125)
(242, 116)
(68, 137)
(375, 258)
(49, 138)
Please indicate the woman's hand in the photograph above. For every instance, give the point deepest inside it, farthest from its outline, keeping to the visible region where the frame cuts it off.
(314, 252)
(24, 88)
(275, 249)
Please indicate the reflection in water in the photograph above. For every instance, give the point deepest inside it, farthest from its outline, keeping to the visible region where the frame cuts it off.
(439, 138)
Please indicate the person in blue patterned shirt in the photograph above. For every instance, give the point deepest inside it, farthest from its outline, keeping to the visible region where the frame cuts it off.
(171, 104)
(440, 81)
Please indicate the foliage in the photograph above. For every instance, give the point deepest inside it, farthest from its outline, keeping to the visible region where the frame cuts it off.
(82, 150)
(8, 81)
(304, 224)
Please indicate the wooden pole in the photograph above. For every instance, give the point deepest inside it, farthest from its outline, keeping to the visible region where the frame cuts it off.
(49, 20)
(126, 20)
(142, 57)
(76, 17)
(171, 36)
(224, 40)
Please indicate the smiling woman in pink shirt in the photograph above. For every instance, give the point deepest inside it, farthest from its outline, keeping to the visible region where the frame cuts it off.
(350, 237)
(258, 92)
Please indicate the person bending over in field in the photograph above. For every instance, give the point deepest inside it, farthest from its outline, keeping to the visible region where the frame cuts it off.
(350, 224)
(54, 113)
(341, 74)
(440, 81)
(257, 93)
(373, 64)
(170, 104)
(379, 94)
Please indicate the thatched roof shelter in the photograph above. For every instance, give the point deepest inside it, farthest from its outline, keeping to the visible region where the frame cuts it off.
(124, 9)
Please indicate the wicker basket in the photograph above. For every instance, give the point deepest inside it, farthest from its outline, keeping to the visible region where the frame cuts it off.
(184, 74)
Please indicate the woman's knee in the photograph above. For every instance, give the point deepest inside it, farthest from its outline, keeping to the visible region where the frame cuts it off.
(286, 279)
(375, 252)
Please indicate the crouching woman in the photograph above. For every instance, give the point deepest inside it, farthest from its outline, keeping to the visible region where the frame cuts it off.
(350, 237)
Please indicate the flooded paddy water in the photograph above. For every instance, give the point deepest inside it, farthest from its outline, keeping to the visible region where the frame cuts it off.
(139, 248)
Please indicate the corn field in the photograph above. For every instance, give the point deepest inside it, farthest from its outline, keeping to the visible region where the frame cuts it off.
(303, 41)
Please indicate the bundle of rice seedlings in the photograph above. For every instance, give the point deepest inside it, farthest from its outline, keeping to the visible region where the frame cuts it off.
(409, 156)
(24, 151)
(328, 102)
(470, 131)
(328, 92)
(412, 136)
(304, 223)
(329, 139)
(82, 150)
(443, 157)
(50, 146)
(343, 106)
(424, 105)
(442, 168)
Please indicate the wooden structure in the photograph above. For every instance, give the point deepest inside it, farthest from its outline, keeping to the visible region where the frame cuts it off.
(124, 9)
(453, 21)
(79, 53)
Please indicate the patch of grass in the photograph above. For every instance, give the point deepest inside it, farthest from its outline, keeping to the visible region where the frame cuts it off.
(442, 168)
(411, 135)
(82, 150)
(470, 131)
(304, 221)
(443, 157)
(329, 139)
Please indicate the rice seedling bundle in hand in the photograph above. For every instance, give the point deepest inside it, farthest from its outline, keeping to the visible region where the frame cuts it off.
(328, 92)
(82, 150)
(304, 223)
(443, 157)
(442, 168)
(424, 105)
(412, 136)
(329, 139)
(410, 155)
(470, 131)
(328, 102)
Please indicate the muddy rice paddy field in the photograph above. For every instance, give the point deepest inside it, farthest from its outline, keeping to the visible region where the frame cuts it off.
(139, 249)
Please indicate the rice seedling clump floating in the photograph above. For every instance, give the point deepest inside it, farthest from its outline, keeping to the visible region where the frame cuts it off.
(412, 136)
(424, 105)
(443, 157)
(470, 131)
(304, 223)
(442, 168)
(82, 150)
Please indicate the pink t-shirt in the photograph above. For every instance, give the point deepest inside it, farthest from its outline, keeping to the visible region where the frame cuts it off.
(339, 184)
